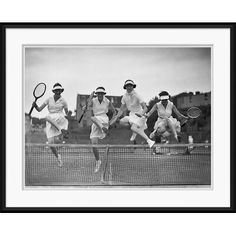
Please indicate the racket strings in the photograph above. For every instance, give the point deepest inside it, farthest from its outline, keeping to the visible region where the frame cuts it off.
(39, 90)
(194, 112)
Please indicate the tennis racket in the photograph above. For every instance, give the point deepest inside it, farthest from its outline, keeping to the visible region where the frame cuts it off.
(193, 112)
(38, 92)
(88, 102)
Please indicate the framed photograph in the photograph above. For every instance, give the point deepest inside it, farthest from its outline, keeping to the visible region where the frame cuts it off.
(117, 117)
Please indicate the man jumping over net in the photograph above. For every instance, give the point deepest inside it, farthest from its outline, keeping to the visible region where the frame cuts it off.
(166, 124)
(132, 102)
(99, 108)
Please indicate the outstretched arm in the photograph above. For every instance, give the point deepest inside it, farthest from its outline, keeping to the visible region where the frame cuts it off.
(66, 110)
(144, 106)
(179, 115)
(39, 108)
(151, 111)
(112, 108)
(121, 111)
(119, 114)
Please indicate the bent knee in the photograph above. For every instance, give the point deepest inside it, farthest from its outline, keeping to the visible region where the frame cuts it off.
(124, 123)
(161, 129)
(93, 118)
(94, 140)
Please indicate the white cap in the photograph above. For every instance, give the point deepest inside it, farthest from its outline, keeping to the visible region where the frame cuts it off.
(57, 87)
(129, 81)
(164, 97)
(100, 90)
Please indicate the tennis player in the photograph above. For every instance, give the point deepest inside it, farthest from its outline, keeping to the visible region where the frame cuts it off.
(56, 123)
(99, 108)
(166, 124)
(133, 102)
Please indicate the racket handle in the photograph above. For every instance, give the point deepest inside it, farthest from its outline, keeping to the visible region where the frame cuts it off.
(32, 108)
(81, 118)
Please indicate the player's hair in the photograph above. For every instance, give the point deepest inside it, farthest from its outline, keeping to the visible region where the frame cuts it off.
(100, 88)
(164, 93)
(57, 84)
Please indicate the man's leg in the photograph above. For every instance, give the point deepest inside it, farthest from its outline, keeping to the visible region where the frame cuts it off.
(98, 123)
(55, 140)
(95, 150)
(153, 134)
(125, 122)
(96, 154)
(171, 126)
(141, 132)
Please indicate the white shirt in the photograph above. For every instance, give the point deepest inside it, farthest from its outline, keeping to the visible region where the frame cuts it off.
(164, 112)
(56, 107)
(100, 108)
(132, 101)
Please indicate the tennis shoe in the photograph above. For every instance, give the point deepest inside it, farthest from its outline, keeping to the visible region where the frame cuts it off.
(133, 137)
(150, 143)
(59, 160)
(97, 167)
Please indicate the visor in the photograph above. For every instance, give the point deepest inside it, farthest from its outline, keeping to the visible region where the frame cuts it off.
(131, 82)
(165, 97)
(100, 90)
(58, 87)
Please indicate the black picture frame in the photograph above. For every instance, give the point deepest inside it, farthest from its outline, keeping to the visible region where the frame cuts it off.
(5, 209)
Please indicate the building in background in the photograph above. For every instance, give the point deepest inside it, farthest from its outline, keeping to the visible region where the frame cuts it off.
(186, 100)
(81, 101)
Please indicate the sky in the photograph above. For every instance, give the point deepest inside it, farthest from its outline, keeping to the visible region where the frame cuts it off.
(81, 69)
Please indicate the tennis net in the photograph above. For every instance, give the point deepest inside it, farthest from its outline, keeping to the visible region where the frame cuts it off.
(121, 165)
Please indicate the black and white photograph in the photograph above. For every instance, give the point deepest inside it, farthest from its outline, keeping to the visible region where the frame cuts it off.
(117, 115)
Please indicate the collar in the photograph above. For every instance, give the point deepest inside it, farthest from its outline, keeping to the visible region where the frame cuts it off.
(130, 94)
(59, 99)
(103, 100)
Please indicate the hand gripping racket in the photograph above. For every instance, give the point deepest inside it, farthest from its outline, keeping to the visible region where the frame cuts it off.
(38, 92)
(192, 113)
(87, 104)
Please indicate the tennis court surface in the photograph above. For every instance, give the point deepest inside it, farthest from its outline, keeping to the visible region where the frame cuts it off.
(122, 165)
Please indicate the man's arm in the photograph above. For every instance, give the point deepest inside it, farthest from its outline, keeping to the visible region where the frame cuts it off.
(179, 115)
(89, 108)
(66, 110)
(119, 114)
(144, 106)
(151, 111)
(121, 111)
(39, 108)
(112, 108)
